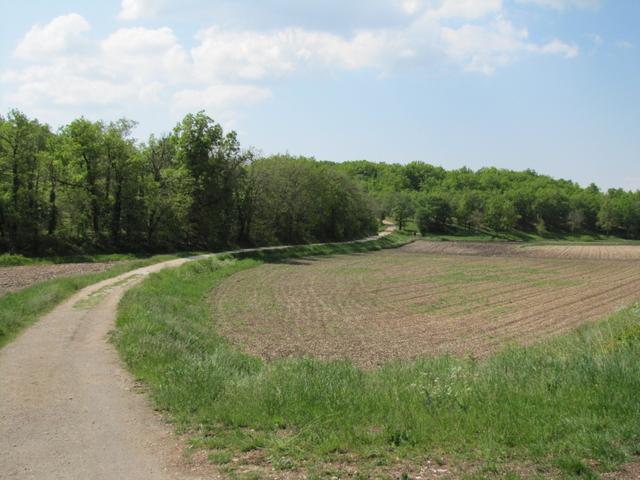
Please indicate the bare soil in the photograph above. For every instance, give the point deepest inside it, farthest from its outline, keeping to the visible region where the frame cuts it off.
(17, 278)
(587, 252)
(424, 299)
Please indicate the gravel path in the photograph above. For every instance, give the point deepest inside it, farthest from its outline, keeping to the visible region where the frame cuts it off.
(67, 406)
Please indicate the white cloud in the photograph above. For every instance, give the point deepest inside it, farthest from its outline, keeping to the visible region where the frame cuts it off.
(624, 44)
(466, 9)
(597, 39)
(136, 9)
(256, 55)
(148, 53)
(59, 66)
(218, 96)
(563, 4)
(443, 9)
(556, 47)
(483, 48)
(56, 37)
(410, 6)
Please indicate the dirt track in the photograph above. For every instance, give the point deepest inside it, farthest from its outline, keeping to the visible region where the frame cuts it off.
(67, 407)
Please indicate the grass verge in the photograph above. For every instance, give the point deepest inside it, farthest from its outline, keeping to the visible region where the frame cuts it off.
(565, 408)
(457, 233)
(528, 237)
(16, 260)
(20, 309)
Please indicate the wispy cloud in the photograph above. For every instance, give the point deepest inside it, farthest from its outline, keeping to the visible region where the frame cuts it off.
(563, 4)
(624, 44)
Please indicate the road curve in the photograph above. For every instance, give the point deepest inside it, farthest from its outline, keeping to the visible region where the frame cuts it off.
(68, 409)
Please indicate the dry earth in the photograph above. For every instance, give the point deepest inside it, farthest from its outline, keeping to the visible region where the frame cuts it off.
(426, 298)
(16, 278)
(587, 252)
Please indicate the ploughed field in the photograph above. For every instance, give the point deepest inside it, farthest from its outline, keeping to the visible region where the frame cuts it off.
(426, 298)
(17, 278)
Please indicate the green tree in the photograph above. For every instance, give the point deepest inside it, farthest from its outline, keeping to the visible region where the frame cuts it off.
(500, 214)
(435, 211)
(403, 208)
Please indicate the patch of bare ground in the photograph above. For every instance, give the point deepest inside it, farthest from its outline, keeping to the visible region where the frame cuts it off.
(424, 299)
(257, 464)
(630, 471)
(17, 278)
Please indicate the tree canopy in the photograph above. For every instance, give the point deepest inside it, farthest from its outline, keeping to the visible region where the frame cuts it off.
(496, 199)
(92, 186)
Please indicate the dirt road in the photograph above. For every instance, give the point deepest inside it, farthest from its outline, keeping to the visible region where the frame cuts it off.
(68, 409)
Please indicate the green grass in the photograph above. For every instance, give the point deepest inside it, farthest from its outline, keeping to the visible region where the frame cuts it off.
(14, 260)
(565, 408)
(20, 309)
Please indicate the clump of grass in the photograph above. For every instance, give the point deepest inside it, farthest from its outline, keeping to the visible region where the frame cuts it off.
(568, 405)
(20, 309)
(14, 260)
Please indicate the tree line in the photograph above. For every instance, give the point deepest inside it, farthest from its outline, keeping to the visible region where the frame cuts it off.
(495, 199)
(90, 186)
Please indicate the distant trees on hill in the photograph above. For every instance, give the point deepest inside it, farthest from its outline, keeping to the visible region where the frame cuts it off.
(91, 186)
(495, 199)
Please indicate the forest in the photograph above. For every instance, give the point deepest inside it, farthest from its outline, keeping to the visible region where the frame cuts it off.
(91, 186)
(495, 200)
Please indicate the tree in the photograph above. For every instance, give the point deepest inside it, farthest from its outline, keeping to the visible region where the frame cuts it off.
(166, 190)
(552, 206)
(403, 208)
(435, 211)
(575, 220)
(22, 146)
(85, 150)
(214, 161)
(468, 204)
(500, 214)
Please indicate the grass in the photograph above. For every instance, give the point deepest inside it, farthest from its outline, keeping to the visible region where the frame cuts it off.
(20, 309)
(565, 408)
(15, 260)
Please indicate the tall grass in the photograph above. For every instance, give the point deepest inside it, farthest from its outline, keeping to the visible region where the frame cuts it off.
(20, 309)
(567, 407)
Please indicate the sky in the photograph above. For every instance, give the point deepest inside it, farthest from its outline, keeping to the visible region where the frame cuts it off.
(551, 85)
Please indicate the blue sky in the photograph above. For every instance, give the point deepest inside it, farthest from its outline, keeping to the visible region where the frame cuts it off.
(552, 85)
